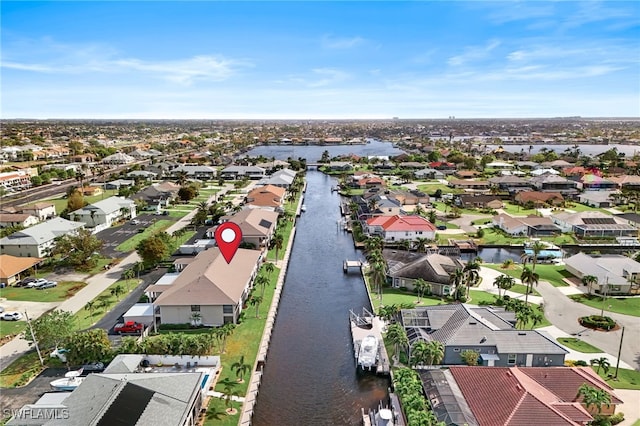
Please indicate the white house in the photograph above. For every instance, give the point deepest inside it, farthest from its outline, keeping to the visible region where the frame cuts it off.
(102, 214)
(38, 240)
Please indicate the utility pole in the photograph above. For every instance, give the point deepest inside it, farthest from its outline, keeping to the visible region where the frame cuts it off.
(35, 342)
(604, 296)
(619, 353)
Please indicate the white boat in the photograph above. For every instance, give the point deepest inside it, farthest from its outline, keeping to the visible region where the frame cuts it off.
(303, 208)
(368, 353)
(70, 381)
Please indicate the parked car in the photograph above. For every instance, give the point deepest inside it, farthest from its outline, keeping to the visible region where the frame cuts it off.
(129, 327)
(36, 283)
(48, 284)
(11, 316)
(134, 222)
(24, 282)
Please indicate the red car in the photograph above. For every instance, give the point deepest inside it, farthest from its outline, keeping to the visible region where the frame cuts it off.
(129, 327)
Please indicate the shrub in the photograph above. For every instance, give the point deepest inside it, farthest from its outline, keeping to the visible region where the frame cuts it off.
(185, 326)
(596, 321)
(580, 363)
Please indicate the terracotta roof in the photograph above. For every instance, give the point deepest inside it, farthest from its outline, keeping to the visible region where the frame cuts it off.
(266, 196)
(527, 395)
(525, 196)
(402, 223)
(255, 222)
(12, 265)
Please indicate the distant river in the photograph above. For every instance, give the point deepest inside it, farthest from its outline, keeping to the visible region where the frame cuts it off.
(590, 150)
(314, 152)
(310, 375)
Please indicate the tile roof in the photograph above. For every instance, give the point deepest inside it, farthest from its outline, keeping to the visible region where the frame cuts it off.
(399, 223)
(11, 265)
(255, 222)
(526, 395)
(266, 196)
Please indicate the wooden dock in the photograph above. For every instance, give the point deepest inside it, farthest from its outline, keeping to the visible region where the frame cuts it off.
(362, 326)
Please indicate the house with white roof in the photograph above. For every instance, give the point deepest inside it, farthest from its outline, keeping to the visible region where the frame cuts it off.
(118, 158)
(616, 274)
(38, 240)
(103, 214)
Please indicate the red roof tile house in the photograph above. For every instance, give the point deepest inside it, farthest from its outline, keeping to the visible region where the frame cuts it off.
(398, 228)
(518, 395)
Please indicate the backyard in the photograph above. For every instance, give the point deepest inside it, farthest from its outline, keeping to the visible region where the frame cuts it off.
(554, 274)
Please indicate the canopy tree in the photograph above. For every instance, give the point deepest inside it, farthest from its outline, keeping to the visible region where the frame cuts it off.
(79, 249)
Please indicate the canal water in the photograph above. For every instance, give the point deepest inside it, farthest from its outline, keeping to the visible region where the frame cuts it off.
(310, 375)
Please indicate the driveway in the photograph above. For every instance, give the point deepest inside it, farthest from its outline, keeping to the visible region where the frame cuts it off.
(114, 236)
(14, 399)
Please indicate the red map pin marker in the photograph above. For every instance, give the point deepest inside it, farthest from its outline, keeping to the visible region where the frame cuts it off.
(228, 236)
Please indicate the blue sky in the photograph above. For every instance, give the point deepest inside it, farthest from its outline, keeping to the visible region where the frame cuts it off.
(319, 59)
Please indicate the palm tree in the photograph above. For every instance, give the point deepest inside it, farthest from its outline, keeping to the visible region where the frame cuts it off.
(432, 216)
(240, 368)
(269, 268)
(229, 390)
(196, 318)
(421, 287)
(278, 243)
(537, 247)
(529, 278)
(420, 353)
(379, 275)
(90, 306)
(405, 244)
(601, 362)
(471, 274)
(373, 243)
(262, 281)
(503, 282)
(590, 280)
(256, 301)
(421, 245)
(181, 177)
(388, 312)
(117, 291)
(593, 398)
(397, 335)
(456, 279)
(436, 352)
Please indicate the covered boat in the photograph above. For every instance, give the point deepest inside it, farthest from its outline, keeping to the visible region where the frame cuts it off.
(368, 353)
(69, 382)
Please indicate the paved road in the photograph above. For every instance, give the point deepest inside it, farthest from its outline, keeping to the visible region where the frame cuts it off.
(14, 399)
(563, 312)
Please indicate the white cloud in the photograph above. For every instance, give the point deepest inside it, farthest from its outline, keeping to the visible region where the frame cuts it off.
(86, 59)
(474, 53)
(330, 42)
(328, 76)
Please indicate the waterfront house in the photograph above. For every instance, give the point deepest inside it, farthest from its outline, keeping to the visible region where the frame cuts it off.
(282, 178)
(103, 214)
(38, 240)
(343, 166)
(458, 395)
(397, 228)
(210, 288)
(409, 198)
(488, 331)
(405, 267)
(593, 224)
(267, 196)
(616, 274)
(533, 226)
(257, 226)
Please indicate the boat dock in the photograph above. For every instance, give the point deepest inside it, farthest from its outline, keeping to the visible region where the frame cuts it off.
(351, 264)
(363, 326)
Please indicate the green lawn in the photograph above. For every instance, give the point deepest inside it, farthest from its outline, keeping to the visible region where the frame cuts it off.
(516, 210)
(61, 203)
(216, 414)
(130, 244)
(11, 328)
(578, 345)
(621, 305)
(554, 274)
(85, 318)
(522, 289)
(396, 296)
(627, 379)
(431, 188)
(63, 291)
